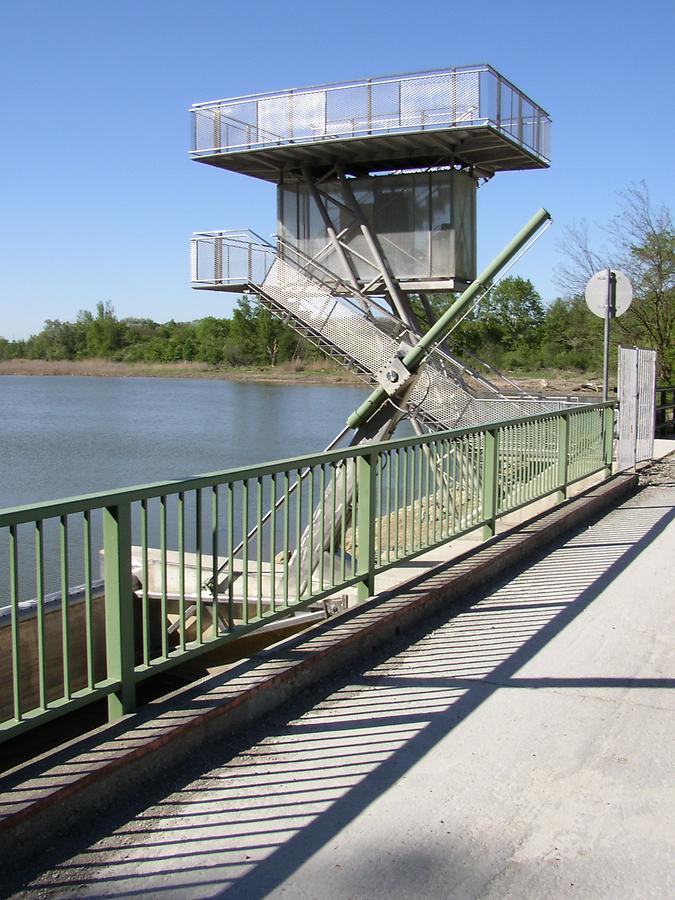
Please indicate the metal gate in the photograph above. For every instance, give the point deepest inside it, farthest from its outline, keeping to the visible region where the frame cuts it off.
(636, 390)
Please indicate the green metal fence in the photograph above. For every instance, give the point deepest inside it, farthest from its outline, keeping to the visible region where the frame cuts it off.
(665, 409)
(191, 564)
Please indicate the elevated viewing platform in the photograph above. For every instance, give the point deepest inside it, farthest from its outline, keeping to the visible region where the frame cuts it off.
(470, 116)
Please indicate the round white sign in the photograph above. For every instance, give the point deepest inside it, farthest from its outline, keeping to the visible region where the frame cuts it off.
(596, 293)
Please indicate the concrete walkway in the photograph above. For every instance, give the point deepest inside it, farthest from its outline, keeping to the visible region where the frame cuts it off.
(522, 748)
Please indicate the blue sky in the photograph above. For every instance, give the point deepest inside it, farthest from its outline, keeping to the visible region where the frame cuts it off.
(99, 197)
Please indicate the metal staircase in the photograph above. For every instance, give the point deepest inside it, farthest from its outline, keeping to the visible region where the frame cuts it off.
(353, 329)
(376, 203)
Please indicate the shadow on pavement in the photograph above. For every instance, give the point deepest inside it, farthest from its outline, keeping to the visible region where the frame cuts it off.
(240, 825)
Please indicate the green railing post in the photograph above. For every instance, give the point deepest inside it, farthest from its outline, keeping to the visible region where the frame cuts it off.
(660, 418)
(119, 608)
(563, 455)
(490, 478)
(608, 428)
(366, 487)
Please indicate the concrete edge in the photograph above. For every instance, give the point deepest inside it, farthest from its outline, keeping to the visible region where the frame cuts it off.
(44, 811)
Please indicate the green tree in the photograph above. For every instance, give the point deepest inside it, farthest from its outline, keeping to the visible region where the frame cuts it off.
(512, 315)
(257, 337)
(571, 335)
(506, 327)
(104, 333)
(252, 337)
(211, 336)
(642, 244)
(240, 345)
(58, 340)
(6, 348)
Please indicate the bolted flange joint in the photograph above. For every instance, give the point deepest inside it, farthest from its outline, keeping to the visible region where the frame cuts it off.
(394, 375)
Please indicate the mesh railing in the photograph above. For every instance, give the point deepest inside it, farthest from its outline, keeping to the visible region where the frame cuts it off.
(222, 258)
(467, 96)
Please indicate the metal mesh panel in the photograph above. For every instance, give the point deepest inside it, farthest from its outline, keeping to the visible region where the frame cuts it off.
(334, 318)
(291, 116)
(425, 222)
(440, 399)
(467, 96)
(202, 130)
(637, 385)
(223, 258)
(273, 118)
(364, 337)
(384, 106)
(437, 397)
(347, 110)
(452, 98)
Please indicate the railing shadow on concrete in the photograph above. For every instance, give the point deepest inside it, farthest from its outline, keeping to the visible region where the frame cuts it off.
(239, 825)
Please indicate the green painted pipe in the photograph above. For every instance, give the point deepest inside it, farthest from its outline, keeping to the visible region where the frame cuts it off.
(440, 329)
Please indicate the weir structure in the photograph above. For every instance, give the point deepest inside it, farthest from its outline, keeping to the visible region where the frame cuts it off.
(376, 211)
(376, 186)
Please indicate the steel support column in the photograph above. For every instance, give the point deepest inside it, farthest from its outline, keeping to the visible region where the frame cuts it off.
(350, 272)
(400, 302)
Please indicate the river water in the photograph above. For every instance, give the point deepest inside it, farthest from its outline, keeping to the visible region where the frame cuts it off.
(64, 436)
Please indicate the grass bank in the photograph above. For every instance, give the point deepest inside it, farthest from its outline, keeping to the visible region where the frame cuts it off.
(317, 372)
(548, 381)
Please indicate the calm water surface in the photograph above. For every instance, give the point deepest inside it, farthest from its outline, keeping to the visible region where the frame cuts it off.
(63, 436)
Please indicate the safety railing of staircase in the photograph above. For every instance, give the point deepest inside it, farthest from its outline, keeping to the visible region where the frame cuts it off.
(188, 565)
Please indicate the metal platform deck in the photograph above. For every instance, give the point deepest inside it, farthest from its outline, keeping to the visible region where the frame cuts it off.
(470, 116)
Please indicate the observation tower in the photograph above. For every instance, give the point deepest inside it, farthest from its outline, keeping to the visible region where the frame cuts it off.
(376, 210)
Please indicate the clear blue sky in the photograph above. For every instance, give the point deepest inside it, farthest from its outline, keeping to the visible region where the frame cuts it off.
(99, 197)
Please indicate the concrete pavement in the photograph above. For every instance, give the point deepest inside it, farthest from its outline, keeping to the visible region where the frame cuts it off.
(521, 748)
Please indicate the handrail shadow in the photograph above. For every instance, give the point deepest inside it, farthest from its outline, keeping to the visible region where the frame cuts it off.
(240, 826)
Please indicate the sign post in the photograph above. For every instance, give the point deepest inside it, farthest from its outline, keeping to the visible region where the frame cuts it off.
(610, 312)
(608, 294)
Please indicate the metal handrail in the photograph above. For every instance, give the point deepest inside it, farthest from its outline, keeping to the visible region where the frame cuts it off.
(31, 512)
(249, 240)
(363, 82)
(437, 487)
(486, 111)
(664, 422)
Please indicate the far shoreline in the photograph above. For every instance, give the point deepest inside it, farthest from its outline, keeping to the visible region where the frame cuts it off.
(315, 372)
(286, 373)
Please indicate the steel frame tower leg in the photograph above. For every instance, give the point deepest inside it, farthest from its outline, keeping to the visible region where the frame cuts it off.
(350, 272)
(378, 429)
(400, 302)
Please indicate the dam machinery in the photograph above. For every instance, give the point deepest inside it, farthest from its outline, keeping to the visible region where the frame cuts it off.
(375, 263)
(376, 184)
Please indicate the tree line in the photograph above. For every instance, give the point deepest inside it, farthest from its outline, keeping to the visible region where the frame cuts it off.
(251, 337)
(510, 329)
